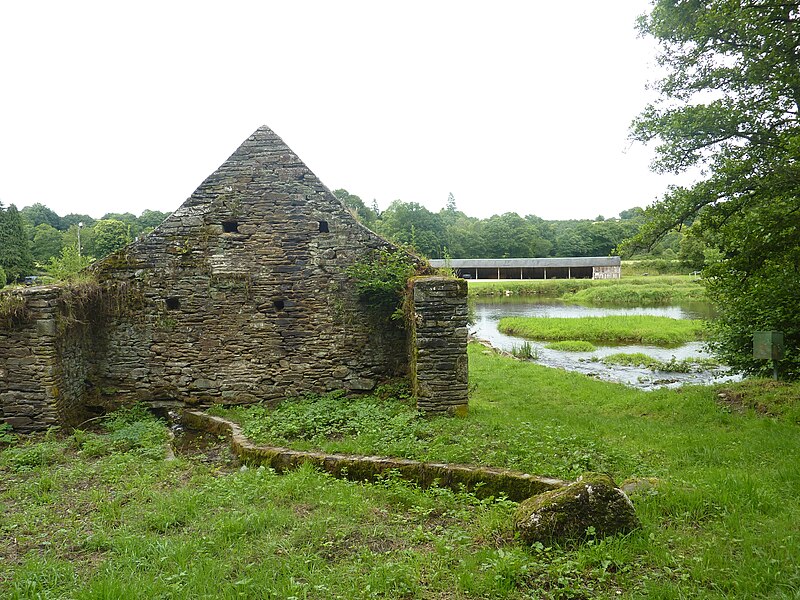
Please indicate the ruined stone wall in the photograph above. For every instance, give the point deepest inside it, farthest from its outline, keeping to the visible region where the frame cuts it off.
(439, 320)
(46, 357)
(241, 295)
(27, 372)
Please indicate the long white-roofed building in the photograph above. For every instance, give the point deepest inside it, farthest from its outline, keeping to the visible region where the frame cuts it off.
(571, 267)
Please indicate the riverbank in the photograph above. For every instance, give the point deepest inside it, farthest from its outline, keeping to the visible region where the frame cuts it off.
(713, 480)
(692, 358)
(628, 291)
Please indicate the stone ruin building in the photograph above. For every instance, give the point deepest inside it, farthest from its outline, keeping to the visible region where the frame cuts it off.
(242, 295)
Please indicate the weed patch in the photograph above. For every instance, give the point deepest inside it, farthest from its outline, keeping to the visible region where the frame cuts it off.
(391, 426)
(525, 351)
(128, 430)
(7, 436)
(673, 365)
(571, 346)
(763, 396)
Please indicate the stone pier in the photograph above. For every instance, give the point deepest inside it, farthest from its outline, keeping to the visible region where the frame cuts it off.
(439, 344)
(29, 373)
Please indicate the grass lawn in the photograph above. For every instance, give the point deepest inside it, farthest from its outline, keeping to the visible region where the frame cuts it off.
(644, 329)
(107, 516)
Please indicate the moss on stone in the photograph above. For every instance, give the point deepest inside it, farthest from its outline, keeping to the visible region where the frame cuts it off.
(592, 506)
(481, 481)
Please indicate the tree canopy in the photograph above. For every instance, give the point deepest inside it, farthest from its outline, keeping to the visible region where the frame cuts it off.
(15, 252)
(729, 106)
(38, 214)
(109, 236)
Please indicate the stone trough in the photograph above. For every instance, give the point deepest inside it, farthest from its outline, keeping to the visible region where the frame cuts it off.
(482, 481)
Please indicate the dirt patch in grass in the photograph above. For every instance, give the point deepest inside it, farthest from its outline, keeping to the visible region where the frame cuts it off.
(206, 448)
(764, 396)
(336, 550)
(302, 510)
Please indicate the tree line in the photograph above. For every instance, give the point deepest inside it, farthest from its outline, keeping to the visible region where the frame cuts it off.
(36, 239)
(449, 233)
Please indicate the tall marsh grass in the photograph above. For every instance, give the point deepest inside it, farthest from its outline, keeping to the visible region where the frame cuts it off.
(627, 294)
(630, 291)
(642, 329)
(526, 351)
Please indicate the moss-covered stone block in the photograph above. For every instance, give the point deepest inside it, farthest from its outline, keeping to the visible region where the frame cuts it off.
(565, 516)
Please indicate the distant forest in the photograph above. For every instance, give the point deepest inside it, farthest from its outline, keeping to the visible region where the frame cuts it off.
(450, 233)
(36, 239)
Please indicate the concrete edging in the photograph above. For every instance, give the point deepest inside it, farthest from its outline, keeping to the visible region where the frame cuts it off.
(482, 481)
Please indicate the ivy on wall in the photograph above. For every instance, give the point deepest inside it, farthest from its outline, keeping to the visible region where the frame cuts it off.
(381, 281)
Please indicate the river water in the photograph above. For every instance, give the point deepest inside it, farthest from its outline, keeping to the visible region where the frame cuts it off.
(487, 314)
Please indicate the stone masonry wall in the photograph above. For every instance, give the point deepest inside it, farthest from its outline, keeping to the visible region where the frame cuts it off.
(241, 295)
(439, 344)
(613, 272)
(28, 379)
(45, 351)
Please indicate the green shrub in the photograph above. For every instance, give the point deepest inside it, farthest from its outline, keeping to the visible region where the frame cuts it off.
(762, 300)
(381, 281)
(132, 429)
(68, 264)
(3, 278)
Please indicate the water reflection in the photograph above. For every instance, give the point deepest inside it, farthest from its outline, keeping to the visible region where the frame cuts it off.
(487, 314)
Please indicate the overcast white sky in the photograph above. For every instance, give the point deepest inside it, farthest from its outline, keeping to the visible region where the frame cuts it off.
(512, 106)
